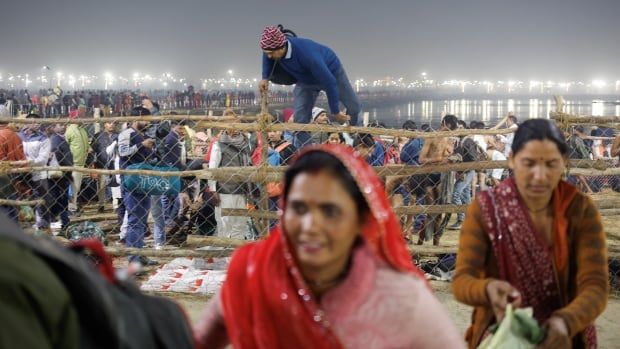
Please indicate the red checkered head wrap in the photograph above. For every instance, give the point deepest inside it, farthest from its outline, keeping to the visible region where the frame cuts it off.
(272, 38)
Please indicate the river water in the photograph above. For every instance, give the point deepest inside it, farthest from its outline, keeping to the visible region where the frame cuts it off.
(489, 111)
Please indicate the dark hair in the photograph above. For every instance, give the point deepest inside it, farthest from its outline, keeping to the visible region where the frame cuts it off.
(139, 111)
(316, 161)
(364, 139)
(450, 121)
(33, 116)
(480, 125)
(539, 129)
(462, 123)
(425, 127)
(376, 124)
(410, 125)
(340, 136)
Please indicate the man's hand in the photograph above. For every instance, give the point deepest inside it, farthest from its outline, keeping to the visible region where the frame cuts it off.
(455, 158)
(500, 293)
(148, 143)
(341, 118)
(556, 334)
(263, 86)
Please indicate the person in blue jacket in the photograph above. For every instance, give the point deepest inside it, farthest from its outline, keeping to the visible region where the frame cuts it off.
(135, 147)
(312, 67)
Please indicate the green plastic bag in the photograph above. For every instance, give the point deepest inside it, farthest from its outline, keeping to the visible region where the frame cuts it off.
(85, 230)
(518, 330)
(26, 214)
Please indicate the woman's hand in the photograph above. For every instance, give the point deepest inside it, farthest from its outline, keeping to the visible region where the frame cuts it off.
(556, 334)
(500, 294)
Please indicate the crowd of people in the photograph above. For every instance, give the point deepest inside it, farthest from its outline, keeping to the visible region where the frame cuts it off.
(178, 145)
(56, 102)
(335, 270)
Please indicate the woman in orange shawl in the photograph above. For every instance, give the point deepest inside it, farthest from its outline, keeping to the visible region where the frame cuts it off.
(335, 273)
(534, 241)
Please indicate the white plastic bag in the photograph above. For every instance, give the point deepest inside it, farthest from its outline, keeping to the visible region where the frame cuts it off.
(518, 330)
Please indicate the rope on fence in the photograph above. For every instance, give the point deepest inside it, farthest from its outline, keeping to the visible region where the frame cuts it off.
(273, 173)
(6, 202)
(229, 123)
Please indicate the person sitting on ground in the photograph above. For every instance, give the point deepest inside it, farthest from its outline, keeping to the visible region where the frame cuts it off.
(534, 241)
(335, 273)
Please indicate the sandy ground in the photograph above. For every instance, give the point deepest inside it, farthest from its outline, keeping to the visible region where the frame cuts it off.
(607, 325)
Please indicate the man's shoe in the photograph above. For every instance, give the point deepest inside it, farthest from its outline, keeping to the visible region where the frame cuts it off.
(145, 261)
(455, 226)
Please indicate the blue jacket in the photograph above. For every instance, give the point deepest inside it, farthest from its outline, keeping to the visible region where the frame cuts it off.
(310, 63)
(171, 150)
(410, 154)
(131, 150)
(62, 151)
(377, 158)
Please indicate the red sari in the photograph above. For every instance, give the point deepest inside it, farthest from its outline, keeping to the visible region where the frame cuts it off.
(265, 300)
(522, 254)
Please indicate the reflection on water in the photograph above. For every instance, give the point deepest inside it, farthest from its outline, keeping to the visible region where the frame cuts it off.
(490, 111)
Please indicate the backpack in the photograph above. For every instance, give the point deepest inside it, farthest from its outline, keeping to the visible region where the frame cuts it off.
(470, 151)
(112, 313)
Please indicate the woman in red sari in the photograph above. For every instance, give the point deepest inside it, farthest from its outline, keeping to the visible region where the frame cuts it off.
(535, 241)
(335, 273)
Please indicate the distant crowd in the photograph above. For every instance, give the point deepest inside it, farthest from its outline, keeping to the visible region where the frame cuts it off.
(56, 102)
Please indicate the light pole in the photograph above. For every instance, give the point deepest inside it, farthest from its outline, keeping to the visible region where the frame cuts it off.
(44, 69)
(58, 77)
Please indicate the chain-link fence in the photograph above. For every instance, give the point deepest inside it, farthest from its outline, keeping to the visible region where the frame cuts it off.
(199, 186)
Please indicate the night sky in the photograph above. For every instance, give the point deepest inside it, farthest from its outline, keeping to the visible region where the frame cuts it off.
(460, 39)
